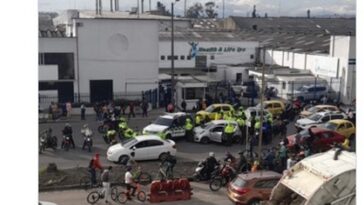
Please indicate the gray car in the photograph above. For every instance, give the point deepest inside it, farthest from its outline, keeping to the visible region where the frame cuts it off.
(212, 131)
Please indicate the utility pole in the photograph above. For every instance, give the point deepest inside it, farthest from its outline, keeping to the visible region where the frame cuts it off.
(223, 9)
(172, 54)
(261, 109)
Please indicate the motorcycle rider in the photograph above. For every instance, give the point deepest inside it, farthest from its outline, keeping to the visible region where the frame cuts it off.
(243, 164)
(67, 131)
(189, 130)
(229, 157)
(86, 132)
(211, 163)
(229, 131)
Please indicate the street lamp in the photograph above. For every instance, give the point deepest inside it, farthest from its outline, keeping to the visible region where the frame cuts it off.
(172, 52)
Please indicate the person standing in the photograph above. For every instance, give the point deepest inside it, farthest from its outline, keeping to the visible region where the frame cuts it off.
(283, 155)
(68, 109)
(241, 124)
(105, 178)
(83, 111)
(94, 164)
(145, 108)
(189, 130)
(131, 110)
(183, 105)
(229, 131)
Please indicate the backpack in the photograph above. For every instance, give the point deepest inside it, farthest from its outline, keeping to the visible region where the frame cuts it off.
(91, 163)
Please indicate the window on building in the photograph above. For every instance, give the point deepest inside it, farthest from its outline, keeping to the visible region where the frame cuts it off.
(252, 56)
(175, 57)
(65, 62)
(193, 93)
(182, 57)
(169, 57)
(188, 57)
(283, 85)
(163, 57)
(212, 57)
(41, 58)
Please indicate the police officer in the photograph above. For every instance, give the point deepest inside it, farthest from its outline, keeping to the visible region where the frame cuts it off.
(122, 128)
(241, 124)
(198, 120)
(229, 131)
(189, 130)
(129, 133)
(111, 135)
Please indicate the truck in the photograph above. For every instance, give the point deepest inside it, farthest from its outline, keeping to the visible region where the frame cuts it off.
(327, 178)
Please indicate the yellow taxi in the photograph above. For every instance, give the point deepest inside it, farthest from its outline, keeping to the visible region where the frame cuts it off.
(215, 109)
(275, 107)
(343, 127)
(318, 108)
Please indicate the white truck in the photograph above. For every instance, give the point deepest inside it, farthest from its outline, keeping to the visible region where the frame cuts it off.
(318, 180)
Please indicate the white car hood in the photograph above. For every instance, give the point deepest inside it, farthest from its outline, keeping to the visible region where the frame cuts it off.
(155, 128)
(305, 121)
(116, 147)
(198, 130)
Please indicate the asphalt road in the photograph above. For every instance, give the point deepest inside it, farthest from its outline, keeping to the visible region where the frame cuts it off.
(201, 196)
(185, 150)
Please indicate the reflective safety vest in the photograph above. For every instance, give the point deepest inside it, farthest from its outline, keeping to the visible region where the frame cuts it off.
(123, 125)
(270, 120)
(162, 135)
(198, 120)
(257, 125)
(241, 122)
(129, 133)
(188, 126)
(229, 129)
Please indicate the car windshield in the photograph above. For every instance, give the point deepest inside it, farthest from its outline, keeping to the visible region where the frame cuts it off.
(330, 126)
(312, 109)
(207, 125)
(128, 142)
(210, 108)
(163, 121)
(239, 182)
(315, 117)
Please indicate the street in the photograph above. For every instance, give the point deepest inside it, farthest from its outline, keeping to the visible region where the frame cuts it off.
(201, 195)
(73, 158)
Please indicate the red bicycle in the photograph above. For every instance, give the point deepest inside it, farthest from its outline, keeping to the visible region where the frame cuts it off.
(140, 194)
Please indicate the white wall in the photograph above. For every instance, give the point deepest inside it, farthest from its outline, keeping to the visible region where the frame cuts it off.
(125, 51)
(224, 56)
(48, 72)
(57, 45)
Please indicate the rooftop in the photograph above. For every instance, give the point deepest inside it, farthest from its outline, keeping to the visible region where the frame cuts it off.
(124, 15)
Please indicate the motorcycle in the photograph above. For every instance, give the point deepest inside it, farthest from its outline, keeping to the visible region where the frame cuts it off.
(66, 143)
(200, 173)
(47, 143)
(87, 142)
(225, 174)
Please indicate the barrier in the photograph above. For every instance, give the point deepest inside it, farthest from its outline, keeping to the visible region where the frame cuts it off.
(170, 190)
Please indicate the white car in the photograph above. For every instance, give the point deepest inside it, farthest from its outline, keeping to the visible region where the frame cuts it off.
(172, 124)
(250, 111)
(145, 147)
(212, 131)
(318, 119)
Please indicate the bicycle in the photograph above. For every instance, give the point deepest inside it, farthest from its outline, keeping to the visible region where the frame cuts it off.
(140, 194)
(94, 196)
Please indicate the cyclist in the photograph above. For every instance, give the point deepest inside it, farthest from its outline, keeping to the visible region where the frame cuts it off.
(105, 177)
(129, 181)
(170, 161)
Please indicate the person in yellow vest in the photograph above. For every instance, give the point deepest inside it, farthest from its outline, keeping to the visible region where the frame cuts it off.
(198, 120)
(257, 125)
(189, 130)
(346, 144)
(111, 135)
(241, 124)
(229, 131)
(129, 133)
(122, 128)
(162, 135)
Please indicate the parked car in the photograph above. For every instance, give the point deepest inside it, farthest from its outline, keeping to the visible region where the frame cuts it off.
(275, 107)
(318, 108)
(215, 109)
(212, 131)
(250, 111)
(253, 187)
(344, 127)
(320, 139)
(309, 92)
(172, 124)
(317, 119)
(147, 147)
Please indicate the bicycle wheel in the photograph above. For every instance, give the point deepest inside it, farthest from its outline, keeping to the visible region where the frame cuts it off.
(142, 196)
(122, 198)
(85, 182)
(144, 178)
(215, 184)
(114, 193)
(93, 197)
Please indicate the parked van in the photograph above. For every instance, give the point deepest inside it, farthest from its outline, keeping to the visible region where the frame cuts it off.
(309, 92)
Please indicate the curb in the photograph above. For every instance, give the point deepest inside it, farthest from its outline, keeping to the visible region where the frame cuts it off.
(69, 187)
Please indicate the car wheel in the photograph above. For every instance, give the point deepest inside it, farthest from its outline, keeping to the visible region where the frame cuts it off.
(163, 156)
(205, 140)
(254, 202)
(123, 159)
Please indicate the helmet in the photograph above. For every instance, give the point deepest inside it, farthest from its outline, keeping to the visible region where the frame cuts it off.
(211, 154)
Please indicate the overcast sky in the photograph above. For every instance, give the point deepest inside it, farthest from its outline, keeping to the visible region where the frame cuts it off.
(232, 7)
